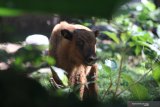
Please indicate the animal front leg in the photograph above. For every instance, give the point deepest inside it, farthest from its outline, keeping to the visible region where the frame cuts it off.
(91, 92)
(78, 80)
(82, 82)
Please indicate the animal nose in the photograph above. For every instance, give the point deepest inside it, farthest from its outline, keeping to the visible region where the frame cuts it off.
(92, 58)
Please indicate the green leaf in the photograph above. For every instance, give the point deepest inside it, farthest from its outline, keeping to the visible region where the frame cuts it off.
(137, 50)
(131, 44)
(139, 92)
(106, 68)
(150, 53)
(18, 61)
(49, 60)
(158, 30)
(148, 65)
(155, 49)
(111, 64)
(141, 43)
(156, 72)
(143, 37)
(124, 37)
(148, 4)
(61, 74)
(112, 35)
(9, 12)
(127, 78)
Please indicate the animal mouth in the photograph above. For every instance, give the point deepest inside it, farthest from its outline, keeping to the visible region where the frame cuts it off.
(90, 63)
(90, 60)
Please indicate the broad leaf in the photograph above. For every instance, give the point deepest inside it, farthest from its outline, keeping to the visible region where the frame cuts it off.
(137, 50)
(111, 64)
(149, 5)
(156, 72)
(61, 74)
(155, 49)
(127, 78)
(112, 36)
(106, 68)
(139, 92)
(142, 36)
(49, 60)
(131, 44)
(124, 37)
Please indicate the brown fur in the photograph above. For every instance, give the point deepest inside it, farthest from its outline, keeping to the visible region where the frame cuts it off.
(68, 57)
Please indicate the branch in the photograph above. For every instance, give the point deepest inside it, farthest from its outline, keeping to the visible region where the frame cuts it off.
(137, 80)
(105, 93)
(119, 76)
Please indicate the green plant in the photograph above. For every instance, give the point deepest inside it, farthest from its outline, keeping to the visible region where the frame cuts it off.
(131, 58)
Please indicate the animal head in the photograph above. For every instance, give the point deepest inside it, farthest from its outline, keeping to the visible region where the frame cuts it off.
(83, 45)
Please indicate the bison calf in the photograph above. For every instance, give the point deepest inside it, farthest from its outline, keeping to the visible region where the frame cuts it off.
(74, 48)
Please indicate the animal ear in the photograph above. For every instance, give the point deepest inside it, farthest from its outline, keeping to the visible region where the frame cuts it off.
(66, 34)
(96, 32)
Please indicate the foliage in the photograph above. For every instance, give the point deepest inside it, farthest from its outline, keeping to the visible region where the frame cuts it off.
(129, 66)
(132, 47)
(31, 60)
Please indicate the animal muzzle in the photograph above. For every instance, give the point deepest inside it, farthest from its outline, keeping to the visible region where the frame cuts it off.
(91, 60)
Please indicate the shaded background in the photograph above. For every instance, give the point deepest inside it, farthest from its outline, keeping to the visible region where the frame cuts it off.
(18, 18)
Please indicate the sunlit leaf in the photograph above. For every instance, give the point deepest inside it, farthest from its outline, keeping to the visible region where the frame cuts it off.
(138, 50)
(124, 37)
(141, 43)
(148, 4)
(155, 49)
(131, 44)
(144, 15)
(143, 36)
(111, 64)
(106, 68)
(135, 28)
(61, 74)
(112, 36)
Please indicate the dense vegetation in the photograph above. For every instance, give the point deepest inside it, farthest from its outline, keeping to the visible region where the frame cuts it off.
(128, 48)
(130, 63)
